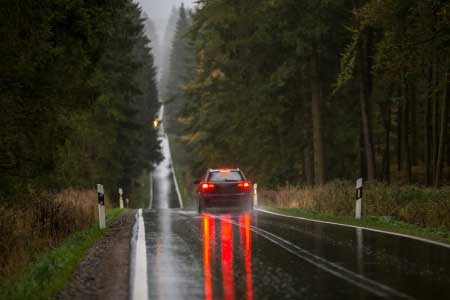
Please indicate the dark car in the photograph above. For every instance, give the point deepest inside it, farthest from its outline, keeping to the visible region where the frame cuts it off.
(224, 188)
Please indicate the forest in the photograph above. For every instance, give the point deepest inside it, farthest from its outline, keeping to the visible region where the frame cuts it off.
(78, 96)
(309, 92)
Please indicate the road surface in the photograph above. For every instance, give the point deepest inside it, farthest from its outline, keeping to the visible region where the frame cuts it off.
(232, 255)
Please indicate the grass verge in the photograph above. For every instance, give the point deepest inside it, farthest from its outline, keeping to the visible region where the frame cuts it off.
(50, 273)
(381, 223)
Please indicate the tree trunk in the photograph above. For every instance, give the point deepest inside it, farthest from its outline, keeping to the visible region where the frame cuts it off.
(316, 95)
(364, 95)
(413, 121)
(427, 132)
(405, 147)
(443, 131)
(434, 120)
(399, 137)
(386, 113)
(308, 166)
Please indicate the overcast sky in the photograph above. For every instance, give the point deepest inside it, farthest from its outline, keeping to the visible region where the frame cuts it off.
(160, 9)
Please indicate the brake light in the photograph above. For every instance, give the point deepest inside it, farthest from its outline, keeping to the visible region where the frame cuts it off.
(245, 185)
(206, 186)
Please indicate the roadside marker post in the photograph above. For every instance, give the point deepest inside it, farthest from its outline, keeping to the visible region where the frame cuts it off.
(127, 201)
(101, 206)
(359, 194)
(255, 194)
(121, 197)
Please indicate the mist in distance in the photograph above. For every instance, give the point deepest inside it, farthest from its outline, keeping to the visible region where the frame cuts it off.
(159, 10)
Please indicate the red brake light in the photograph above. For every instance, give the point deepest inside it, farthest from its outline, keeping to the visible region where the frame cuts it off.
(206, 186)
(245, 185)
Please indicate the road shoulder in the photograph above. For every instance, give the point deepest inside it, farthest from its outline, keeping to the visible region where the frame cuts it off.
(104, 272)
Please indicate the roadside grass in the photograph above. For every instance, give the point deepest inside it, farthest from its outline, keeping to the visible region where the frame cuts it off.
(420, 206)
(49, 273)
(381, 223)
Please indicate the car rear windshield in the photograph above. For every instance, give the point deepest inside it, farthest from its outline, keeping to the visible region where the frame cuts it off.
(225, 176)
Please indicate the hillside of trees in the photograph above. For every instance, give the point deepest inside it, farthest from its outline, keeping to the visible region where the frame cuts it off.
(306, 92)
(78, 95)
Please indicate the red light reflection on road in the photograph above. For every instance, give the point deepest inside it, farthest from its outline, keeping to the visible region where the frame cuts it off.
(227, 257)
(248, 257)
(227, 251)
(246, 244)
(206, 257)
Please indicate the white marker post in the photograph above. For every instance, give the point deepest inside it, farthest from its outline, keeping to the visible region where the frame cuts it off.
(127, 201)
(359, 193)
(255, 194)
(121, 197)
(101, 206)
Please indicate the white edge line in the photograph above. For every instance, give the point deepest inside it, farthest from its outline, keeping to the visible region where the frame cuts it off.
(139, 271)
(173, 173)
(360, 227)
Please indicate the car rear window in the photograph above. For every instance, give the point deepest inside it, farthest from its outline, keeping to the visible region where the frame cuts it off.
(225, 176)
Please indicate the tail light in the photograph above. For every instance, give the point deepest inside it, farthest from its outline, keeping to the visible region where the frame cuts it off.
(206, 186)
(245, 185)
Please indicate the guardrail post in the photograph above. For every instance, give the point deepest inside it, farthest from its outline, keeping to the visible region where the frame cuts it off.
(121, 197)
(359, 193)
(101, 206)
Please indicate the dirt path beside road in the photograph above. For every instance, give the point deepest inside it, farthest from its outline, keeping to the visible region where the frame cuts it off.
(104, 272)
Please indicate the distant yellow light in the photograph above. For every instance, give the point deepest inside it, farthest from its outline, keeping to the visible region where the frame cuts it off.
(155, 123)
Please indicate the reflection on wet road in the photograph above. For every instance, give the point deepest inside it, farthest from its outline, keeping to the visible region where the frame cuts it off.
(267, 256)
(264, 256)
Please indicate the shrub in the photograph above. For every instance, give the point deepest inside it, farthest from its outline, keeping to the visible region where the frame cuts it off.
(417, 205)
(41, 222)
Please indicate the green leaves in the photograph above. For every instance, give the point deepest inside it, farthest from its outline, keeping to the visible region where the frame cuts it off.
(79, 95)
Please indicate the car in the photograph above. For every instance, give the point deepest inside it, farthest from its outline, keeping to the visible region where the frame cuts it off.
(224, 188)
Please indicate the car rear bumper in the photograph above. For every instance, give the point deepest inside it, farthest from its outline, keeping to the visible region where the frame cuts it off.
(227, 200)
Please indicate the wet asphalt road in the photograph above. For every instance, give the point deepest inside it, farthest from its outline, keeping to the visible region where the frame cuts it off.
(232, 255)
(264, 256)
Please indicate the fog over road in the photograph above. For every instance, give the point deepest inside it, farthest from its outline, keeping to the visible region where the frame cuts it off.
(267, 256)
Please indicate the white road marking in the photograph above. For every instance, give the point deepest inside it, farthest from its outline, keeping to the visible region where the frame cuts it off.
(139, 270)
(173, 174)
(354, 226)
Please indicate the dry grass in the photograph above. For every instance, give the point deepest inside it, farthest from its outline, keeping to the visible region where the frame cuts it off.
(40, 223)
(421, 206)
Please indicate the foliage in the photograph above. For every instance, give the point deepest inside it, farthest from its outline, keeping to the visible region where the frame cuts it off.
(180, 71)
(78, 96)
(290, 89)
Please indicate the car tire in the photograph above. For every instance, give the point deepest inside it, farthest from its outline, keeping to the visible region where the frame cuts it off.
(201, 208)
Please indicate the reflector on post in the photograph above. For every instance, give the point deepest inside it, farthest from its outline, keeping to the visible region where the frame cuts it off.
(101, 206)
(359, 190)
